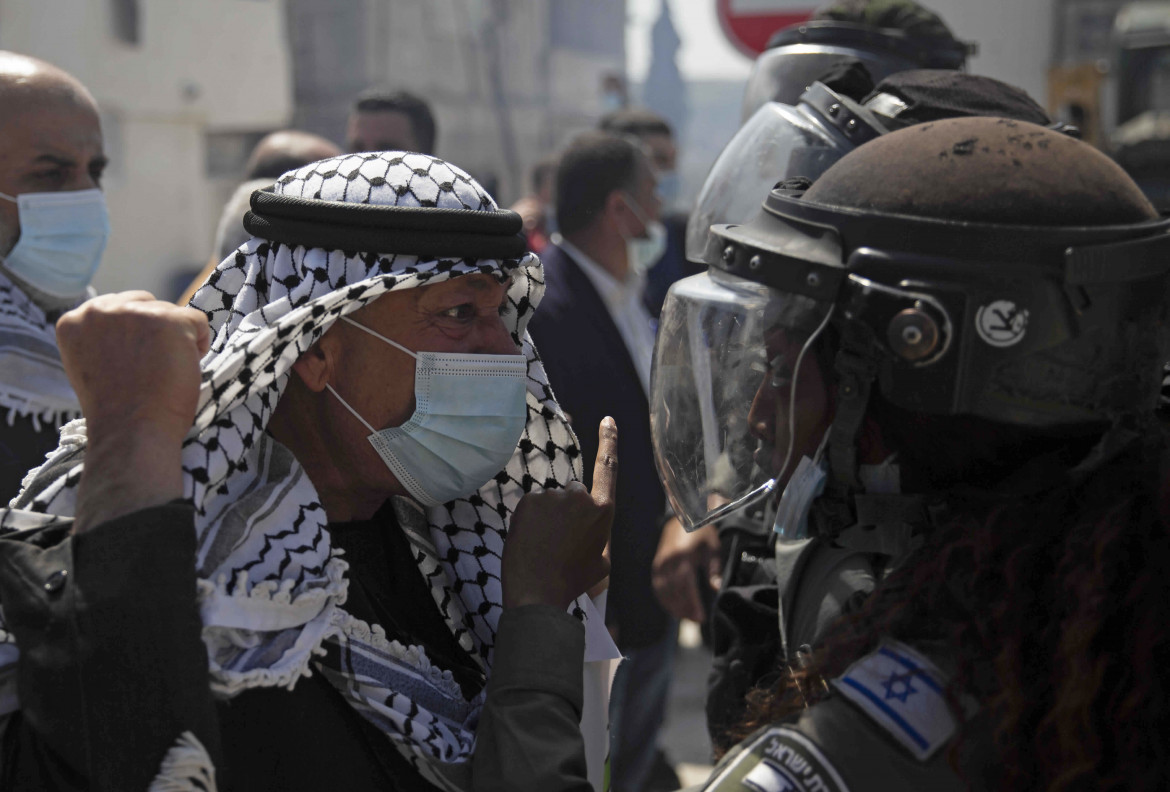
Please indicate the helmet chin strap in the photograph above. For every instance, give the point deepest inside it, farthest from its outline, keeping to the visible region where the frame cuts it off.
(856, 370)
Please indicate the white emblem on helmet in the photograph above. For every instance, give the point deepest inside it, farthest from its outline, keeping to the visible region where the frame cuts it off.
(1001, 323)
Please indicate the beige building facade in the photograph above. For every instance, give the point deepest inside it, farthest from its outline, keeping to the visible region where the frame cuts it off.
(509, 80)
(186, 87)
(168, 75)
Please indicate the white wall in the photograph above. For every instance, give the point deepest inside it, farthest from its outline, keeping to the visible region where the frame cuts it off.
(1015, 38)
(200, 65)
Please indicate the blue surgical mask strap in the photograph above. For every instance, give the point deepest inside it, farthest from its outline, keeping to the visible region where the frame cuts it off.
(376, 334)
(792, 392)
(636, 209)
(345, 404)
(819, 456)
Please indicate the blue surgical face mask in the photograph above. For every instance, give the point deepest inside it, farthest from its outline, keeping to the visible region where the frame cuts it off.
(642, 253)
(806, 485)
(668, 187)
(470, 411)
(62, 238)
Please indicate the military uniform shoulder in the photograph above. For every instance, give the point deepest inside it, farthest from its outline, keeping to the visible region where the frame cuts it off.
(904, 693)
(777, 759)
(883, 727)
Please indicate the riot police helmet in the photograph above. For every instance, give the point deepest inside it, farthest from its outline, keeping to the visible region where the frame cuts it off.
(886, 36)
(802, 140)
(967, 267)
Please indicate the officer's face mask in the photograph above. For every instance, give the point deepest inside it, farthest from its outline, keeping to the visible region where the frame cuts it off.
(470, 412)
(804, 486)
(62, 238)
(643, 252)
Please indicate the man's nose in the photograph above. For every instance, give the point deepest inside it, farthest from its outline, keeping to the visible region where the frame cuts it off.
(81, 179)
(495, 338)
(762, 415)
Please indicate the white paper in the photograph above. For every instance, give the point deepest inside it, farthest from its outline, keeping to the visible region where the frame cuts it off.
(601, 662)
(599, 643)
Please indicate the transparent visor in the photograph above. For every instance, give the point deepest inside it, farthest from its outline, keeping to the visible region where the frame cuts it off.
(777, 143)
(737, 392)
(783, 73)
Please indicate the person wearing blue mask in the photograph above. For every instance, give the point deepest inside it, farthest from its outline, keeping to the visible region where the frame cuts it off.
(596, 339)
(299, 494)
(656, 137)
(53, 230)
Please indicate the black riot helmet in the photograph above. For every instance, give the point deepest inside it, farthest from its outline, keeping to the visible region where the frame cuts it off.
(968, 267)
(803, 140)
(885, 44)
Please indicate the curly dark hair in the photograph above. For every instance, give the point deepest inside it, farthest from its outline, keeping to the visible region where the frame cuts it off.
(1057, 608)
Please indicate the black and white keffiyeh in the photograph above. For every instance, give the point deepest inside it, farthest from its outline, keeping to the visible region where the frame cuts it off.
(271, 589)
(32, 379)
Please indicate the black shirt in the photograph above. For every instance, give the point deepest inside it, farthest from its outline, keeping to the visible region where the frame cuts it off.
(22, 447)
(311, 738)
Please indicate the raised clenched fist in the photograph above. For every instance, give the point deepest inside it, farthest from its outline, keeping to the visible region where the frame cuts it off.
(134, 364)
(134, 360)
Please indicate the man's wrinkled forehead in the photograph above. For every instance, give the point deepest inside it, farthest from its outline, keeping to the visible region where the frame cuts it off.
(46, 111)
(50, 135)
(471, 283)
(430, 297)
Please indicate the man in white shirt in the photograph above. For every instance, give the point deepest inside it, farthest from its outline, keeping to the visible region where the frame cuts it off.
(596, 339)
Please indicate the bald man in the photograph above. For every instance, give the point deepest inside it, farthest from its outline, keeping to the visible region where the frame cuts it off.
(53, 230)
(285, 150)
(275, 154)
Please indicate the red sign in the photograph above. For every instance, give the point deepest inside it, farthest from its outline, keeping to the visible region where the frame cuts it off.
(748, 24)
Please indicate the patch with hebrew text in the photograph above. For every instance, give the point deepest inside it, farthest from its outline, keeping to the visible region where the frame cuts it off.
(903, 692)
(781, 759)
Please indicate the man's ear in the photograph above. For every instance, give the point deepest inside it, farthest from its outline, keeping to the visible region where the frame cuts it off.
(615, 204)
(617, 211)
(315, 365)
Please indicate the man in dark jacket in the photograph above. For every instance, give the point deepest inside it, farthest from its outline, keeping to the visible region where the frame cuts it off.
(596, 338)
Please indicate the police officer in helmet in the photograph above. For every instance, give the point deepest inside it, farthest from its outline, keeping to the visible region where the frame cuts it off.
(946, 352)
(956, 337)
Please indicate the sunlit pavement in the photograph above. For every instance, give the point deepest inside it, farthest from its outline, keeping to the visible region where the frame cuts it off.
(684, 734)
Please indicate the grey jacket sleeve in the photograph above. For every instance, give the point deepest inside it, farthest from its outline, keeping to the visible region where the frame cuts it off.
(112, 673)
(529, 735)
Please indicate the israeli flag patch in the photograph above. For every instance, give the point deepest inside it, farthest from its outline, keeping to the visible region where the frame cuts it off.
(902, 692)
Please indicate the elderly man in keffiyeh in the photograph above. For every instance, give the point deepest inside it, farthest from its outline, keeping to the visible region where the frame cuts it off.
(305, 588)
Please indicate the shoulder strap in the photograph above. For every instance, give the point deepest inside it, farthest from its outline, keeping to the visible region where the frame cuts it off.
(777, 759)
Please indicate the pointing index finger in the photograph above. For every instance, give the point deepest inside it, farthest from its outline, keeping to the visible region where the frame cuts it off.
(606, 466)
